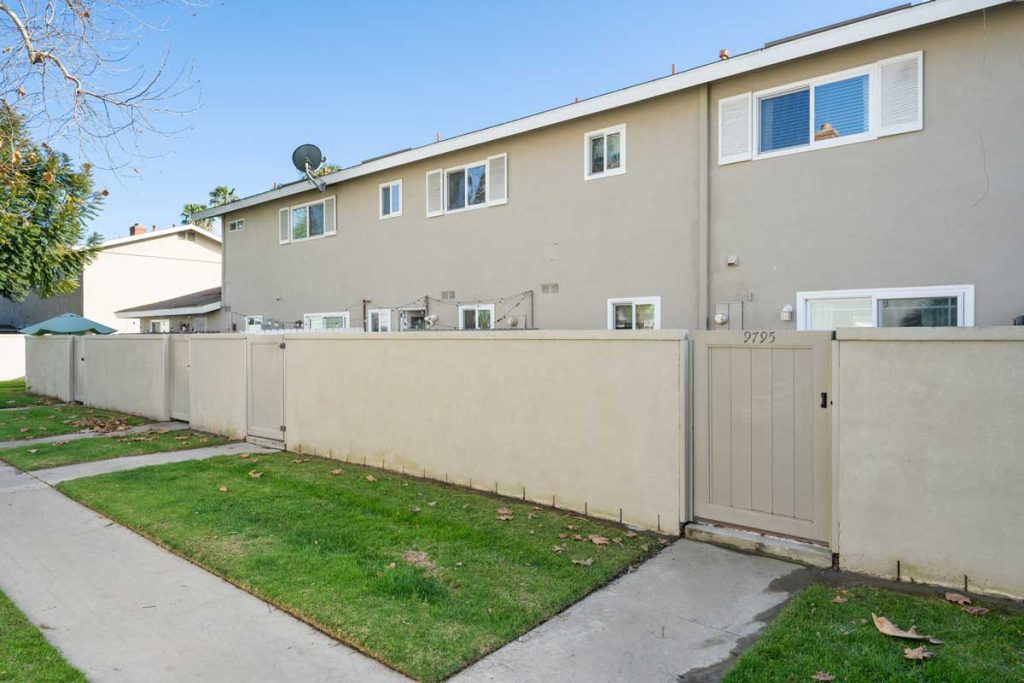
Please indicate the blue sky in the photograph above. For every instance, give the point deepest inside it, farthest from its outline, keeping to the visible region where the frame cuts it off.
(361, 79)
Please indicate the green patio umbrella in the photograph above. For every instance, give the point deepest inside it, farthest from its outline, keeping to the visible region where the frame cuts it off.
(68, 323)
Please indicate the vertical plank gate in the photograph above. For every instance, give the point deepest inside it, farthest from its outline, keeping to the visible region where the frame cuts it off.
(179, 377)
(266, 386)
(762, 430)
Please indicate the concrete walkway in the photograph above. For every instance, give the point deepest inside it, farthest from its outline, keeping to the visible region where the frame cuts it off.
(680, 613)
(123, 609)
(74, 436)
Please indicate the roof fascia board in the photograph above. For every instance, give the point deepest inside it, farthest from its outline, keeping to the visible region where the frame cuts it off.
(841, 36)
(185, 310)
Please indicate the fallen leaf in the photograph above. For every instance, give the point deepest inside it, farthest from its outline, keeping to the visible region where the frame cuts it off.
(465, 506)
(958, 599)
(570, 527)
(617, 540)
(222, 489)
(254, 474)
(370, 477)
(585, 563)
(563, 535)
(414, 509)
(822, 676)
(631, 534)
(839, 599)
(577, 537)
(531, 515)
(918, 653)
(432, 503)
(977, 611)
(33, 450)
(338, 471)
(597, 540)
(558, 548)
(890, 629)
(392, 565)
(47, 627)
(504, 514)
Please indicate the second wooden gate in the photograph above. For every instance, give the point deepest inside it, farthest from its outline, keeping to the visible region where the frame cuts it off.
(266, 386)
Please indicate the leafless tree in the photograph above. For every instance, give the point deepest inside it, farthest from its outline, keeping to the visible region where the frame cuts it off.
(66, 66)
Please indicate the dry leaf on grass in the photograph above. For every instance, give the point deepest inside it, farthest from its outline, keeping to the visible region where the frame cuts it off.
(299, 461)
(977, 611)
(255, 474)
(917, 653)
(570, 527)
(617, 540)
(504, 514)
(370, 477)
(418, 558)
(558, 548)
(33, 450)
(958, 599)
(531, 515)
(245, 456)
(839, 599)
(563, 535)
(392, 565)
(631, 534)
(823, 676)
(577, 537)
(597, 540)
(337, 471)
(890, 629)
(222, 489)
(432, 503)
(414, 509)
(584, 563)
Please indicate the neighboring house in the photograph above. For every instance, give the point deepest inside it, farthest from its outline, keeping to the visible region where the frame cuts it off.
(130, 271)
(865, 174)
(193, 313)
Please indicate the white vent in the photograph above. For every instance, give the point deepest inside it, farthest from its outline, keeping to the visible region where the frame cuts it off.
(497, 179)
(285, 228)
(435, 202)
(734, 129)
(902, 101)
(330, 219)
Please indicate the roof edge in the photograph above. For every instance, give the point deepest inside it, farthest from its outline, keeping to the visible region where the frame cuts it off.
(182, 310)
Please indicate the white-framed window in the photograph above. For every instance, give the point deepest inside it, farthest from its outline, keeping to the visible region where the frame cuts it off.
(379, 320)
(475, 185)
(412, 319)
(476, 317)
(199, 324)
(308, 221)
(942, 306)
(391, 199)
(236, 226)
(604, 152)
(325, 321)
(634, 313)
(162, 326)
(855, 105)
(253, 323)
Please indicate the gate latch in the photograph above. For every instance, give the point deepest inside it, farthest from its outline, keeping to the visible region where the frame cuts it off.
(824, 399)
(281, 345)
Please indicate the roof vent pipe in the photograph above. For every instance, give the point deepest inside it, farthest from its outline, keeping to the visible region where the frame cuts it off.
(723, 54)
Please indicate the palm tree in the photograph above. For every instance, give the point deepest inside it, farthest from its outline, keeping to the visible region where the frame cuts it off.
(222, 194)
(190, 210)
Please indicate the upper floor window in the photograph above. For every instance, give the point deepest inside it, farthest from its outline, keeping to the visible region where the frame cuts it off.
(604, 152)
(951, 306)
(472, 186)
(307, 221)
(325, 321)
(391, 199)
(865, 103)
(235, 226)
(634, 313)
(476, 317)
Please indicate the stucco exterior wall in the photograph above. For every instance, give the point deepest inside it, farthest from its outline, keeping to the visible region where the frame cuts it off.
(130, 374)
(928, 445)
(624, 235)
(217, 384)
(593, 421)
(48, 369)
(941, 206)
(12, 356)
(34, 309)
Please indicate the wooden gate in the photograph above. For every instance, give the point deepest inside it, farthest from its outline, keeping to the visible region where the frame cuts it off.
(179, 377)
(762, 450)
(266, 386)
(78, 365)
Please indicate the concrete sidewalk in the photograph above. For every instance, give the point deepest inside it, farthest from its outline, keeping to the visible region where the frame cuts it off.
(680, 613)
(74, 436)
(123, 609)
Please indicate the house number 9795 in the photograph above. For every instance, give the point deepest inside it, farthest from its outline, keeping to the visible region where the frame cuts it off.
(759, 337)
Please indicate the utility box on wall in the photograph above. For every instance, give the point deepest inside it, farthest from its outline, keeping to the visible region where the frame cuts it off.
(728, 315)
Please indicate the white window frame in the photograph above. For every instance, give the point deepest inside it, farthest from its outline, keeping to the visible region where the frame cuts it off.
(476, 307)
(463, 168)
(291, 235)
(257, 322)
(404, 321)
(383, 319)
(656, 300)
(199, 322)
(963, 293)
(308, 317)
(236, 225)
(401, 200)
(874, 111)
(161, 322)
(621, 130)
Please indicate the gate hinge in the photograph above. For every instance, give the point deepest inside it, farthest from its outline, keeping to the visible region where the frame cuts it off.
(283, 428)
(281, 345)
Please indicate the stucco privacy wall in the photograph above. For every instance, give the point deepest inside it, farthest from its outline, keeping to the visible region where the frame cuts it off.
(928, 437)
(48, 370)
(128, 373)
(12, 356)
(593, 421)
(217, 384)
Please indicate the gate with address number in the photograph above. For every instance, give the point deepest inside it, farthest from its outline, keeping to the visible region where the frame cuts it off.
(762, 430)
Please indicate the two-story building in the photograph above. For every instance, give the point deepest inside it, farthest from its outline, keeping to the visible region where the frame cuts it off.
(866, 174)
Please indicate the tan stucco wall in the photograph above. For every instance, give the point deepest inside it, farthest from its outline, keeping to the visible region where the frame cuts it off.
(594, 420)
(12, 356)
(129, 374)
(929, 452)
(48, 370)
(624, 235)
(217, 384)
(941, 206)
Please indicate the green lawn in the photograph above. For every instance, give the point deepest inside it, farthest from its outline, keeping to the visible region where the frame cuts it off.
(12, 395)
(814, 634)
(424, 577)
(41, 421)
(60, 453)
(25, 655)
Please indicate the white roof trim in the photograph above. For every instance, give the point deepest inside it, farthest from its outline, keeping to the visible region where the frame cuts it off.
(848, 34)
(161, 233)
(164, 312)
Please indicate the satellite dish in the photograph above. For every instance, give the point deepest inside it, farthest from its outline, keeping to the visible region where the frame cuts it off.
(308, 158)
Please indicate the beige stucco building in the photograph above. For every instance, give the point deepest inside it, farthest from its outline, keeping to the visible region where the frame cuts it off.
(143, 267)
(867, 174)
